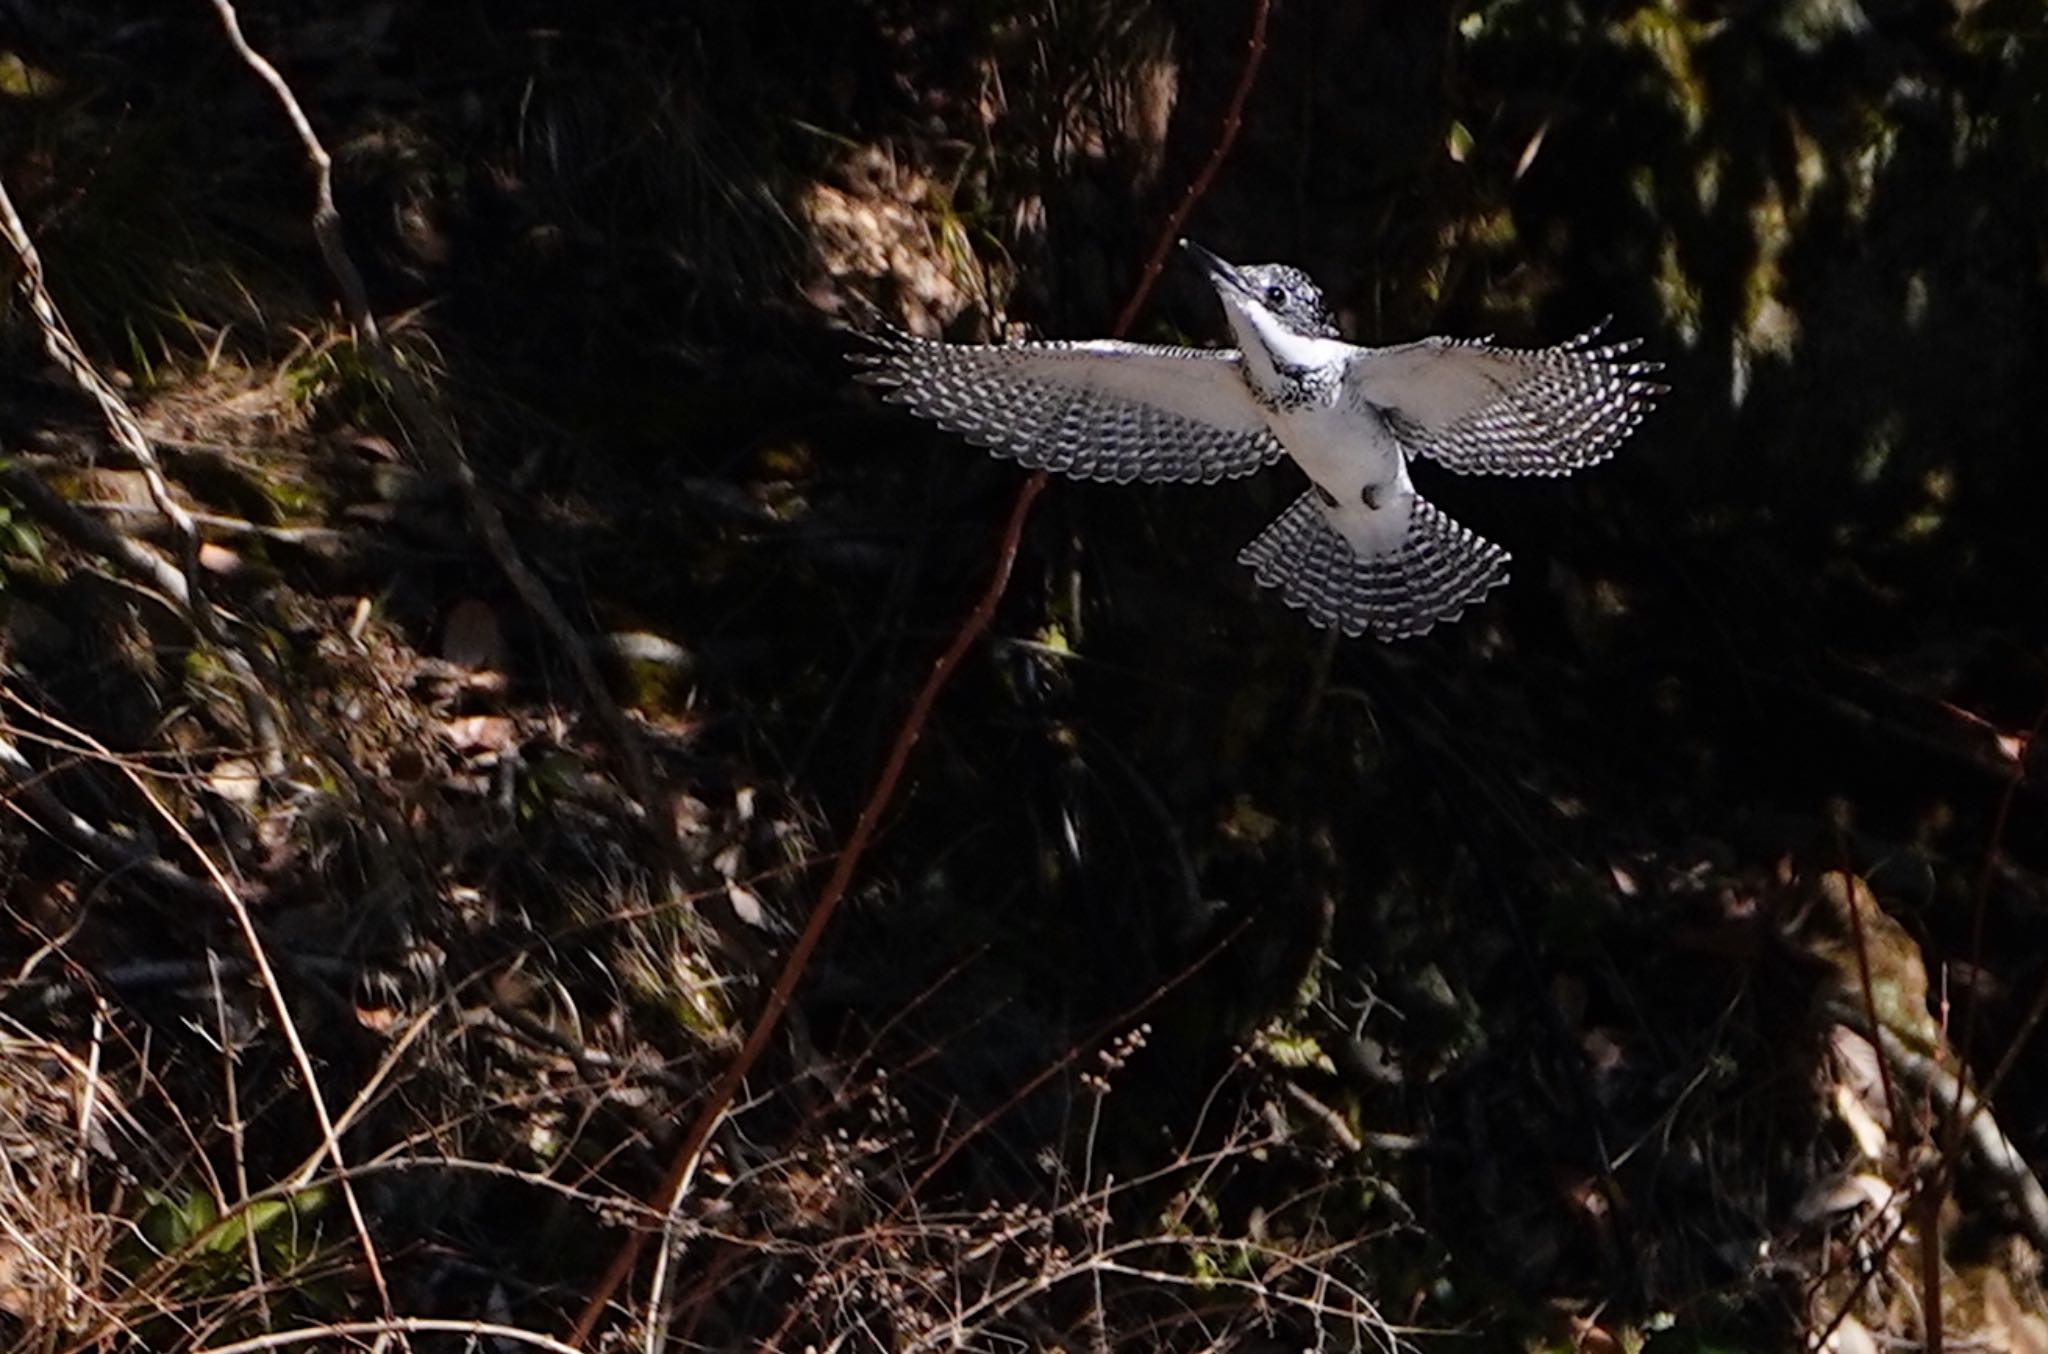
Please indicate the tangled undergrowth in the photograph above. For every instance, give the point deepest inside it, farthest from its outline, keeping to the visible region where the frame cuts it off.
(448, 641)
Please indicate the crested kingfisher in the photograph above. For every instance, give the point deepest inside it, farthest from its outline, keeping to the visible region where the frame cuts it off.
(1362, 551)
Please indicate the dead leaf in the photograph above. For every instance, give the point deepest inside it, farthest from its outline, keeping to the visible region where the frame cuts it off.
(378, 1019)
(746, 905)
(693, 816)
(480, 733)
(1851, 1338)
(236, 780)
(1863, 1126)
(1842, 1194)
(2014, 1329)
(218, 559)
(16, 1297)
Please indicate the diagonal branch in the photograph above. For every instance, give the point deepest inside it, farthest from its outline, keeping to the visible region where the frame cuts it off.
(355, 298)
(683, 1168)
(127, 432)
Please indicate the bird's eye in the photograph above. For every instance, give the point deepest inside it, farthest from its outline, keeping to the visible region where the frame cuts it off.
(1276, 297)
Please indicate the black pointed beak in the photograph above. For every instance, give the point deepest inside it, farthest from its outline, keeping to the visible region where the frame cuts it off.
(1221, 272)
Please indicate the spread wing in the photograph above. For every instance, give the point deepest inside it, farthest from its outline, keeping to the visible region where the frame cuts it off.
(1479, 409)
(1096, 411)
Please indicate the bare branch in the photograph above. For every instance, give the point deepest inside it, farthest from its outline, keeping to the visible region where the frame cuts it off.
(128, 435)
(441, 444)
(355, 298)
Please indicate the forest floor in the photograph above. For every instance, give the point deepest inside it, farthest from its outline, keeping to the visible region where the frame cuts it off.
(451, 635)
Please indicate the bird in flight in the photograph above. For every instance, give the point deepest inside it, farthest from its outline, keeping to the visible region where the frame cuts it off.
(1362, 551)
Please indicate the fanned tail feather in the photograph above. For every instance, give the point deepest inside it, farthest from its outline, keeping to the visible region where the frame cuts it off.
(1439, 569)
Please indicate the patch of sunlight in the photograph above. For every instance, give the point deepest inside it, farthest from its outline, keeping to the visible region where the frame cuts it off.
(1706, 180)
(1770, 225)
(1642, 186)
(1774, 328)
(1809, 162)
(20, 80)
(1246, 823)
(1288, 1048)
(1879, 446)
(789, 460)
(1975, 133)
(887, 221)
(1916, 299)
(1866, 167)
(1670, 37)
(1491, 230)
(1458, 142)
(1923, 525)
(782, 501)
(1433, 279)
(1810, 25)
(1677, 295)
(1769, 327)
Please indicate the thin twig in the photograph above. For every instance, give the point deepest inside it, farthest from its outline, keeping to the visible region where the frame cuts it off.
(115, 857)
(355, 298)
(883, 793)
(238, 1156)
(436, 438)
(1121, 1020)
(21, 782)
(1109, 1259)
(1986, 1141)
(266, 976)
(410, 1325)
(1980, 904)
(127, 431)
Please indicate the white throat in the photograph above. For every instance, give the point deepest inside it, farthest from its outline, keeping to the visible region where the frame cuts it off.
(1270, 346)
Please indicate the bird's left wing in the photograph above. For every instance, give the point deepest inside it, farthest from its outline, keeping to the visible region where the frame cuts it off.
(1099, 411)
(1508, 411)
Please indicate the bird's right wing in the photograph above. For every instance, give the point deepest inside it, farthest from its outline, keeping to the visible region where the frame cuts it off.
(1098, 411)
(1478, 408)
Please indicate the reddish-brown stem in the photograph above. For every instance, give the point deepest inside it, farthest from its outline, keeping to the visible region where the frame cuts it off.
(1123, 1020)
(1226, 137)
(1979, 905)
(879, 798)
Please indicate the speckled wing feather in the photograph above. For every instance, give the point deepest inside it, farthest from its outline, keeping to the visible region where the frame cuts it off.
(1479, 409)
(1440, 569)
(1096, 411)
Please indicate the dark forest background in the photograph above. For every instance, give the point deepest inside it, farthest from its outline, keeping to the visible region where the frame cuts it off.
(505, 653)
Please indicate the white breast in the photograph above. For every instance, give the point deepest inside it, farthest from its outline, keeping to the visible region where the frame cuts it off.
(1352, 458)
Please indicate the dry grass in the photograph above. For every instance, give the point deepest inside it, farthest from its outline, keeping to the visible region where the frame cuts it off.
(1205, 990)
